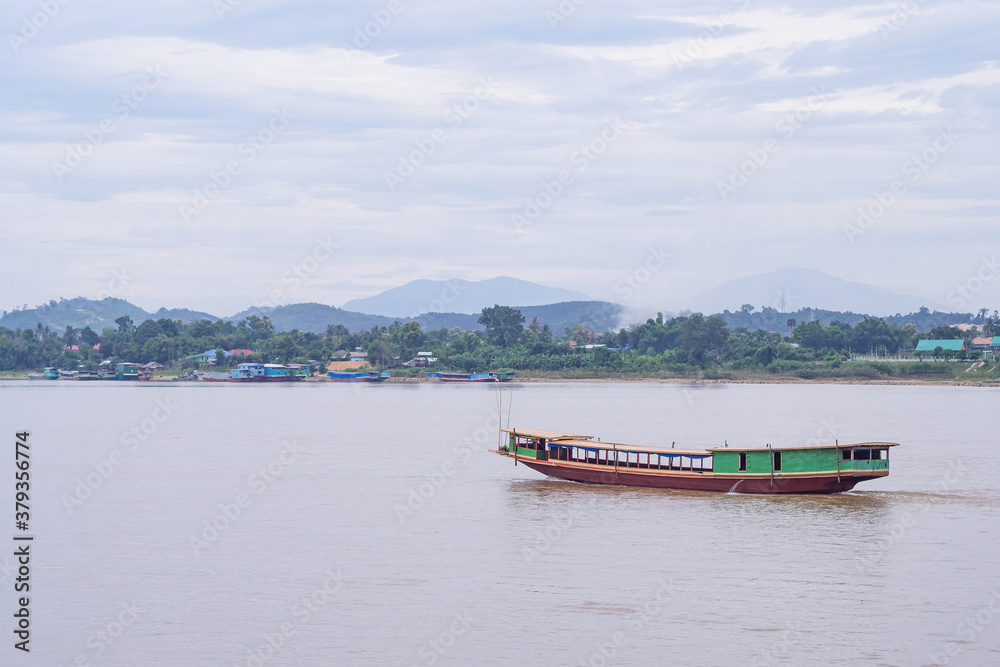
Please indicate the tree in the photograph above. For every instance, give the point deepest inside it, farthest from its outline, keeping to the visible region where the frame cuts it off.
(699, 335)
(503, 325)
(411, 337)
(124, 324)
(379, 353)
(791, 323)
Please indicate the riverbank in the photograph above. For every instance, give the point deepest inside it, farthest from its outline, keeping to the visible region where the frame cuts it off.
(553, 378)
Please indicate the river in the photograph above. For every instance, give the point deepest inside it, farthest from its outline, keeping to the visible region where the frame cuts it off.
(339, 524)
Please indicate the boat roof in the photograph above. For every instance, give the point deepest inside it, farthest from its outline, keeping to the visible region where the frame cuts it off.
(558, 438)
(870, 445)
(542, 433)
(639, 449)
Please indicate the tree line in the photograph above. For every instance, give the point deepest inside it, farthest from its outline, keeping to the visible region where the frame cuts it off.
(675, 344)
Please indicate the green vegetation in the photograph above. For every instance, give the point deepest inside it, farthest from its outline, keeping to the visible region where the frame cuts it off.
(692, 347)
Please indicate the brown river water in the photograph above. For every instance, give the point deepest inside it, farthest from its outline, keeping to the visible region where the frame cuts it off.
(339, 524)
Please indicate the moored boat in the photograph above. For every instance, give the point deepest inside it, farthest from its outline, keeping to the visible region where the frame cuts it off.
(473, 377)
(786, 469)
(51, 373)
(363, 376)
(88, 375)
(127, 371)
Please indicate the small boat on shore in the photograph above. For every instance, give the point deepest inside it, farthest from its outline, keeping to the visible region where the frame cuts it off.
(472, 377)
(347, 376)
(51, 373)
(786, 469)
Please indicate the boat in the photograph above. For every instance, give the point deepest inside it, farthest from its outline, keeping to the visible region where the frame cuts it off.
(51, 373)
(274, 373)
(346, 376)
(88, 375)
(68, 375)
(472, 377)
(771, 469)
(186, 377)
(127, 371)
(107, 375)
(215, 377)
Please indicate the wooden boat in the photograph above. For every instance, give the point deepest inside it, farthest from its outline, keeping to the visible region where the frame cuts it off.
(215, 377)
(473, 377)
(88, 375)
(127, 371)
(68, 375)
(346, 376)
(786, 469)
(51, 373)
(274, 373)
(186, 377)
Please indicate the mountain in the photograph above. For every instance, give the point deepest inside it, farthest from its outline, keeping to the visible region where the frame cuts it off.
(790, 289)
(313, 317)
(460, 296)
(77, 313)
(595, 315)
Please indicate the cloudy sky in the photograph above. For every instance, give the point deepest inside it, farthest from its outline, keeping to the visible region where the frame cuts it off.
(220, 154)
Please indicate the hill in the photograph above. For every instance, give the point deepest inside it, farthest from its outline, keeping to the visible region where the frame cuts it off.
(313, 317)
(460, 296)
(791, 289)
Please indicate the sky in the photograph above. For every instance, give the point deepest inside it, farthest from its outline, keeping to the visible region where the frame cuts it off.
(219, 154)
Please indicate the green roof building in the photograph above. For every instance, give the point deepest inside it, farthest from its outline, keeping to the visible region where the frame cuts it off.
(954, 345)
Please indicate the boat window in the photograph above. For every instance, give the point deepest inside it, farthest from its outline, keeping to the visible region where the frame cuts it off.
(862, 454)
(847, 454)
(743, 461)
(777, 461)
(877, 454)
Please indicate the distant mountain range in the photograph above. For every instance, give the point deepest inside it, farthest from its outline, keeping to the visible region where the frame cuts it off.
(807, 293)
(460, 296)
(314, 317)
(787, 290)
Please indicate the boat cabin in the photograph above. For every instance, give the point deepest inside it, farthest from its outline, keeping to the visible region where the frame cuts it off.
(127, 371)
